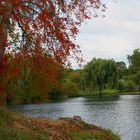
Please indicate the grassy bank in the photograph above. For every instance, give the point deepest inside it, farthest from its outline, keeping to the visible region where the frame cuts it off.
(17, 127)
(130, 93)
(105, 93)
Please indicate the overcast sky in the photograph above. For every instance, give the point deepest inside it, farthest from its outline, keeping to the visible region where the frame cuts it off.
(114, 36)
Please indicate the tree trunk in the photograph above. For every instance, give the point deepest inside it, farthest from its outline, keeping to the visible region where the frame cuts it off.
(3, 44)
(3, 38)
(2, 99)
(4, 27)
(2, 50)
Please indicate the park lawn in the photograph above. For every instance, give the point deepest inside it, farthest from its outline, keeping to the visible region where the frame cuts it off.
(105, 93)
(131, 93)
(17, 127)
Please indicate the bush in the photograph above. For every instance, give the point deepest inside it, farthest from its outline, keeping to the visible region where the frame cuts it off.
(55, 94)
(122, 85)
(70, 88)
(131, 86)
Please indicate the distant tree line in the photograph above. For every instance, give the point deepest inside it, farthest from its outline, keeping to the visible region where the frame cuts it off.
(101, 74)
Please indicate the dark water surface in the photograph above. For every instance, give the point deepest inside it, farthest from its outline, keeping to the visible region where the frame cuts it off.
(121, 115)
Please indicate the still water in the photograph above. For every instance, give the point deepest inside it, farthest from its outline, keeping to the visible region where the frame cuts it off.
(121, 115)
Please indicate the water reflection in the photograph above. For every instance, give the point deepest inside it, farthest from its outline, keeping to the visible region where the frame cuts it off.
(121, 114)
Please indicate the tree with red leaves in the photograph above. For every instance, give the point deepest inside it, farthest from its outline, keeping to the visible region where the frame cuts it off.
(30, 25)
(50, 24)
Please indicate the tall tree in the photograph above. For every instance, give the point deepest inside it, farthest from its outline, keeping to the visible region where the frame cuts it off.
(134, 61)
(32, 83)
(47, 23)
(134, 67)
(99, 74)
(52, 25)
(121, 66)
(27, 26)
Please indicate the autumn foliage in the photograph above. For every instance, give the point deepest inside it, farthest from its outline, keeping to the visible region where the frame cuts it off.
(40, 32)
(34, 76)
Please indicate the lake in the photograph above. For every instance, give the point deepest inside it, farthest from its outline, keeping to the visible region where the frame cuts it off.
(121, 114)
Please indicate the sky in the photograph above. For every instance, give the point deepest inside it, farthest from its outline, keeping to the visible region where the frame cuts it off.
(114, 36)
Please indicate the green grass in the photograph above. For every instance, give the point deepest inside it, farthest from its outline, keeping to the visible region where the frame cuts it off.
(7, 132)
(130, 93)
(12, 134)
(81, 136)
(111, 92)
(97, 136)
(105, 93)
(112, 136)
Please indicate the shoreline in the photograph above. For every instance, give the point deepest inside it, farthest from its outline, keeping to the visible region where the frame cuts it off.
(15, 126)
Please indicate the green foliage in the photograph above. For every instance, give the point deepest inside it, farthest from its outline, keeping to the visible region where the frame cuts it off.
(96, 136)
(75, 76)
(5, 117)
(121, 68)
(12, 134)
(122, 85)
(112, 136)
(130, 86)
(69, 88)
(10, 128)
(134, 61)
(33, 85)
(9, 133)
(82, 136)
(55, 94)
(129, 79)
(6, 133)
(100, 74)
(137, 78)
(126, 85)
(71, 82)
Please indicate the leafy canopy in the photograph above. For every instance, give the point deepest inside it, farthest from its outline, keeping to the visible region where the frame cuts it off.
(42, 32)
(134, 61)
(51, 24)
(99, 74)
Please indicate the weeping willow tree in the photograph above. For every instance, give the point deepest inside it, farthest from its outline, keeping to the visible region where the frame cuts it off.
(100, 74)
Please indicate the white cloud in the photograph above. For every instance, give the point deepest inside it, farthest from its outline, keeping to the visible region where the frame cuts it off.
(114, 36)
